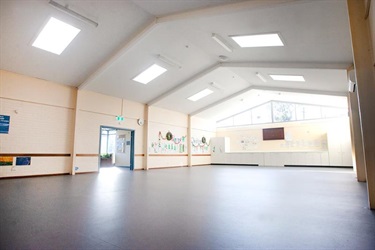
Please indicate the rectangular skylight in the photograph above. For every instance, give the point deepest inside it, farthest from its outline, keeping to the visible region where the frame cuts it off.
(200, 95)
(55, 36)
(289, 78)
(263, 40)
(149, 74)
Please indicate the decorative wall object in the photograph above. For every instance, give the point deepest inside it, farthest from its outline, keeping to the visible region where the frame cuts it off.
(4, 124)
(249, 143)
(169, 144)
(23, 161)
(273, 134)
(200, 145)
(6, 161)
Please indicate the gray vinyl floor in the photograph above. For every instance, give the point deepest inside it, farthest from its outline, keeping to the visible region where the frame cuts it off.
(210, 207)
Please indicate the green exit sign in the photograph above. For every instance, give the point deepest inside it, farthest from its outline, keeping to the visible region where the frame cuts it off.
(119, 118)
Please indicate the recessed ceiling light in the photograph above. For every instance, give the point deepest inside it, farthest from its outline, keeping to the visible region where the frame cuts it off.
(264, 40)
(289, 78)
(55, 36)
(200, 95)
(149, 74)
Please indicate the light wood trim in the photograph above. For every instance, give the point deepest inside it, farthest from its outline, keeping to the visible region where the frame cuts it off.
(90, 172)
(87, 155)
(201, 154)
(34, 155)
(31, 176)
(168, 155)
(141, 155)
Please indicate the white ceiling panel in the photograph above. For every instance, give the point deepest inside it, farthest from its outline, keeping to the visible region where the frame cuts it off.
(105, 59)
(21, 22)
(166, 7)
(221, 81)
(116, 80)
(256, 97)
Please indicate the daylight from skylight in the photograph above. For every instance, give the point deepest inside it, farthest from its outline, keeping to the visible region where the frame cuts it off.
(290, 78)
(150, 74)
(200, 95)
(264, 40)
(55, 36)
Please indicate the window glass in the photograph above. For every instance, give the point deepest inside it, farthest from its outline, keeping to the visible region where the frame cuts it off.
(242, 119)
(283, 111)
(333, 112)
(262, 114)
(225, 123)
(307, 112)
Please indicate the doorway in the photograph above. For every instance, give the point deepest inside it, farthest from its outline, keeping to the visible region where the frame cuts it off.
(116, 147)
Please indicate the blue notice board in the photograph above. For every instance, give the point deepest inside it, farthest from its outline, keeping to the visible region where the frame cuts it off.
(4, 124)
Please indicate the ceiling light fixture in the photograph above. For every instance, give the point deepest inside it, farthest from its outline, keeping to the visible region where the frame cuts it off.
(55, 36)
(200, 95)
(289, 78)
(261, 77)
(262, 40)
(149, 74)
(222, 42)
(169, 61)
(72, 13)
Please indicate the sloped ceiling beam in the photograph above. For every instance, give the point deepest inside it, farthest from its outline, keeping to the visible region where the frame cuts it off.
(184, 84)
(279, 65)
(142, 33)
(286, 65)
(306, 91)
(223, 9)
(222, 100)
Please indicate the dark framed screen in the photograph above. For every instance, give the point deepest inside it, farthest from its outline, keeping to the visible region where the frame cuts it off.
(273, 134)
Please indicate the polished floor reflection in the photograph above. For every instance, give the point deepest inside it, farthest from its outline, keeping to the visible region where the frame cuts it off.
(211, 207)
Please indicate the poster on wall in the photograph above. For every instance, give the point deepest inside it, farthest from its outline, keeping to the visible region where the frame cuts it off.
(6, 161)
(4, 124)
(23, 161)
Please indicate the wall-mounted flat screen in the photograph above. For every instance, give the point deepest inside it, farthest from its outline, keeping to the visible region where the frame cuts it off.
(273, 134)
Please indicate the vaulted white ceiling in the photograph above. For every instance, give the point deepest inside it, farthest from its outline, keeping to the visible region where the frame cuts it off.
(131, 35)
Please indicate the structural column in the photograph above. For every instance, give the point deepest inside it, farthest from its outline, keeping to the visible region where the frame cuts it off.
(146, 137)
(363, 64)
(189, 145)
(356, 137)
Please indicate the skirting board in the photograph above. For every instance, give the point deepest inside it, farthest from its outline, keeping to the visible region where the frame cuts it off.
(317, 166)
(31, 176)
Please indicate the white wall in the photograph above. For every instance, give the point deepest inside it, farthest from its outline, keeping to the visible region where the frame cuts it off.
(95, 110)
(41, 123)
(201, 152)
(49, 118)
(164, 153)
(323, 142)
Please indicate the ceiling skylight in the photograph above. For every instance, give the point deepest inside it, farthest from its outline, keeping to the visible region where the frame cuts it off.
(200, 95)
(149, 74)
(55, 36)
(263, 40)
(289, 78)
